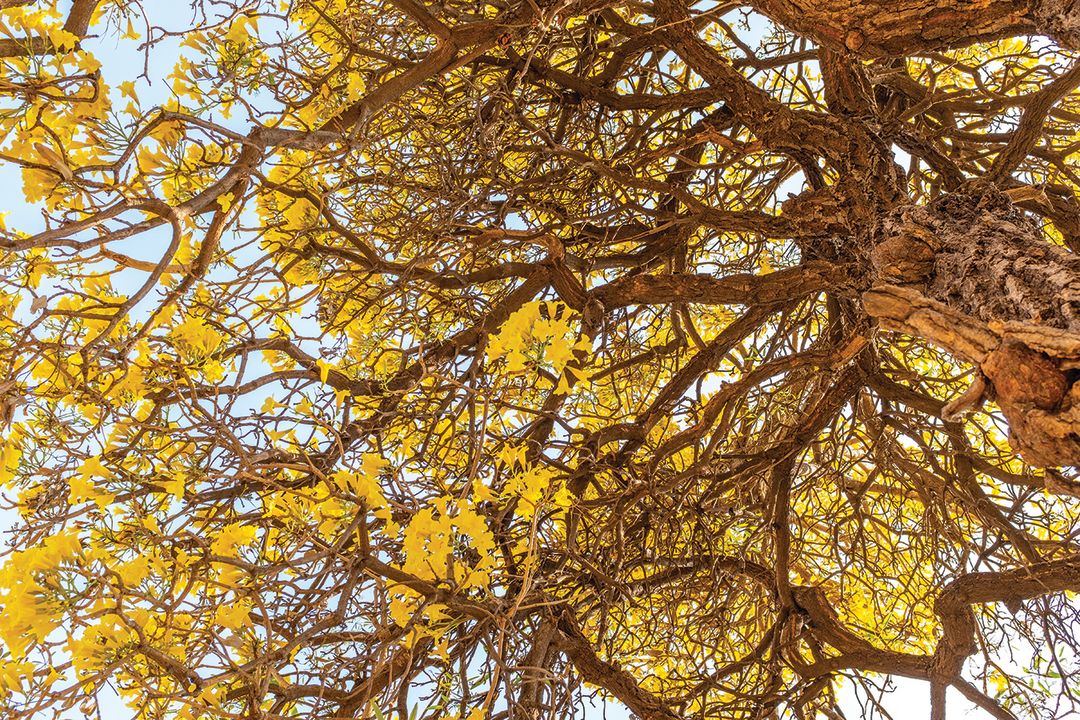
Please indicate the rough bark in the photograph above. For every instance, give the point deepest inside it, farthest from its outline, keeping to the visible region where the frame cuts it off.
(1060, 19)
(876, 28)
(979, 281)
(983, 257)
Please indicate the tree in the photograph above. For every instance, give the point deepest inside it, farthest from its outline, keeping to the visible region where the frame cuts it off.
(463, 360)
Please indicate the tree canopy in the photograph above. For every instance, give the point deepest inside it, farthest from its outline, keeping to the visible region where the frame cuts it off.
(466, 360)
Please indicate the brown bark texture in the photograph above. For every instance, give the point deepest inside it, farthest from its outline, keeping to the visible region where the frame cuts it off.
(987, 267)
(881, 28)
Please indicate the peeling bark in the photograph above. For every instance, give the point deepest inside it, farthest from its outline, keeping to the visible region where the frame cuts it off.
(979, 281)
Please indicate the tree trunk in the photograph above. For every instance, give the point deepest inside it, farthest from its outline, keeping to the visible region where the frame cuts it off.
(876, 28)
(972, 274)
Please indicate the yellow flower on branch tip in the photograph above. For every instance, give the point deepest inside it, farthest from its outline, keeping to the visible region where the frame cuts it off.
(132, 573)
(131, 33)
(10, 454)
(127, 89)
(233, 615)
(92, 468)
(324, 369)
(231, 537)
(198, 335)
(13, 674)
(175, 486)
(83, 489)
(212, 695)
(401, 610)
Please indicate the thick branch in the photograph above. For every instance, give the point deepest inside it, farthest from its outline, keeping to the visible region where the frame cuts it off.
(742, 289)
(614, 679)
(875, 28)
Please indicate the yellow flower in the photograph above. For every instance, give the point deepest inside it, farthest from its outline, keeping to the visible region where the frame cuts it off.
(132, 573)
(232, 537)
(233, 615)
